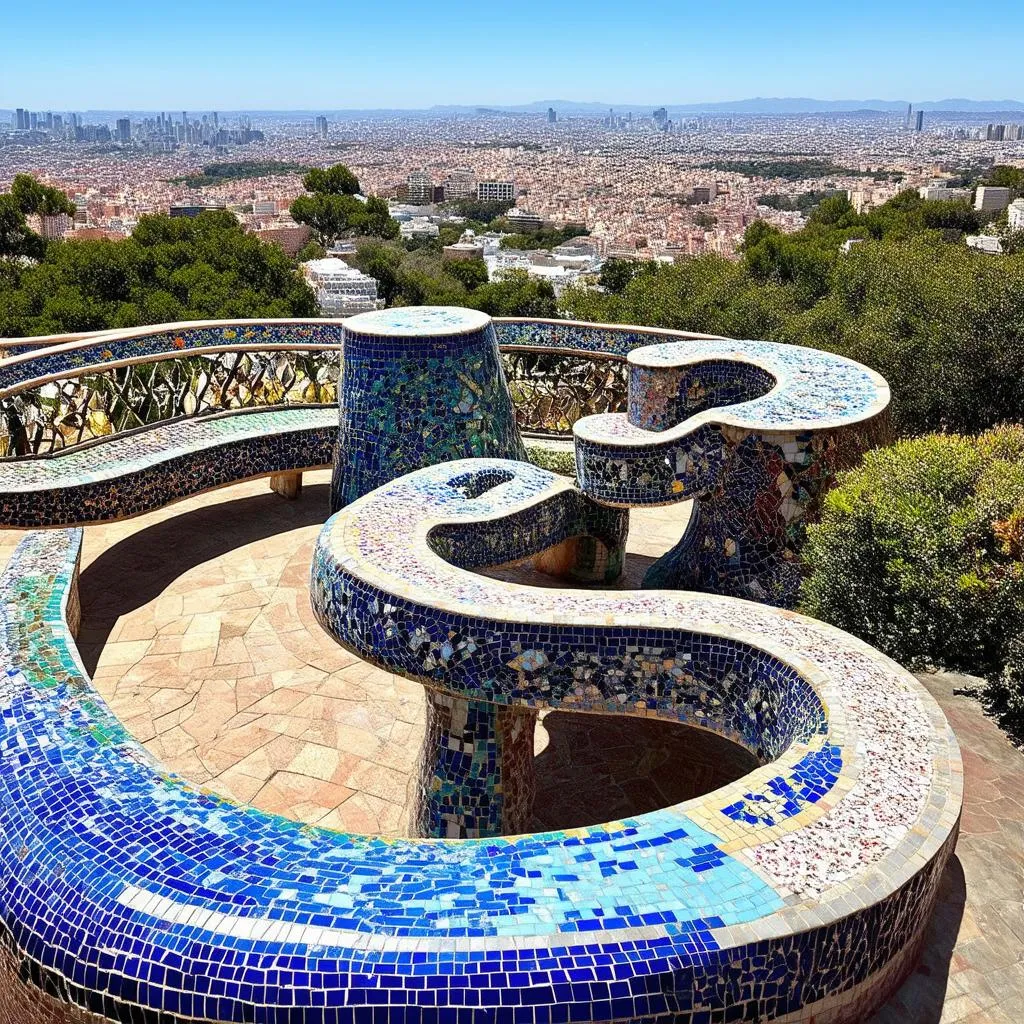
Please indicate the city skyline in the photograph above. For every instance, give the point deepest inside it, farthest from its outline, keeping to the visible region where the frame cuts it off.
(392, 57)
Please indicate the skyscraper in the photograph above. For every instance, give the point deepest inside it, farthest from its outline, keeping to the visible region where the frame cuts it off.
(321, 126)
(124, 129)
(907, 121)
(919, 121)
(552, 115)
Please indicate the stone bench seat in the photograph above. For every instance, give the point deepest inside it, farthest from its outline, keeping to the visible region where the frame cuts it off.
(131, 473)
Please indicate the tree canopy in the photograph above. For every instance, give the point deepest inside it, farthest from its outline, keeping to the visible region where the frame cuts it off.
(170, 269)
(332, 209)
(28, 196)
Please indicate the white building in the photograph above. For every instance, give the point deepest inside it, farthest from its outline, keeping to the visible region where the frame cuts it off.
(524, 220)
(460, 184)
(991, 197)
(340, 289)
(496, 191)
(264, 208)
(418, 227)
(1015, 215)
(985, 243)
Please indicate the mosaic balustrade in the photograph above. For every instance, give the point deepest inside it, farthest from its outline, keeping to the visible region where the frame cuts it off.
(799, 892)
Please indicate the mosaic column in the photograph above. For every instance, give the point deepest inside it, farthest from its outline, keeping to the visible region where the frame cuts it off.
(477, 774)
(419, 385)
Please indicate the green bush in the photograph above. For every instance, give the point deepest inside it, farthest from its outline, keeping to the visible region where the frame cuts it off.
(1005, 693)
(918, 551)
(553, 457)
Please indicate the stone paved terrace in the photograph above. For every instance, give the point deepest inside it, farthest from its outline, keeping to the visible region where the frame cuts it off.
(209, 652)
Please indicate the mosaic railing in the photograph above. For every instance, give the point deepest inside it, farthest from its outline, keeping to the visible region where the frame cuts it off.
(66, 412)
(59, 392)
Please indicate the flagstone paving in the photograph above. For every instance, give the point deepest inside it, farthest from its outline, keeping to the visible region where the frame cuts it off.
(198, 631)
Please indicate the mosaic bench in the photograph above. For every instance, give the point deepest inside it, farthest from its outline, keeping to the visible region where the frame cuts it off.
(146, 469)
(753, 433)
(799, 892)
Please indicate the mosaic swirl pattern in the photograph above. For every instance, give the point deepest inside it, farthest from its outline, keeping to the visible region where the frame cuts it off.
(753, 433)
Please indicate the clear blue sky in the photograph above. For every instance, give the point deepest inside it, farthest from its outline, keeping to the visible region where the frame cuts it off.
(267, 54)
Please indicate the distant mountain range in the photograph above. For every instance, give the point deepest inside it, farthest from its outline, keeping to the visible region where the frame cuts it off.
(758, 105)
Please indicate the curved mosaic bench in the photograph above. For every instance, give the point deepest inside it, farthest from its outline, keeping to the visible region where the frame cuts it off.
(753, 432)
(802, 888)
(799, 892)
(148, 468)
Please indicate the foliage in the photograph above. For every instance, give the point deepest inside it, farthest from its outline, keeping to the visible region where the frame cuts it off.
(918, 550)
(33, 196)
(943, 323)
(1007, 177)
(186, 268)
(17, 240)
(217, 174)
(310, 251)
(471, 273)
(557, 459)
(544, 238)
(331, 181)
(515, 293)
(1005, 691)
(332, 210)
(791, 170)
(616, 273)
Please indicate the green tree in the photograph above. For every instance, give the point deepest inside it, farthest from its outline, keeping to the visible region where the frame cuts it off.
(332, 181)
(515, 293)
(471, 273)
(616, 274)
(32, 196)
(198, 268)
(376, 220)
(328, 215)
(16, 238)
(310, 251)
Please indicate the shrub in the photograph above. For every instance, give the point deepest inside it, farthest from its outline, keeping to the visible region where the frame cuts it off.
(1005, 694)
(918, 551)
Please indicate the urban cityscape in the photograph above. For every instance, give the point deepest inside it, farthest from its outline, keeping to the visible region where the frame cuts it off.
(643, 184)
